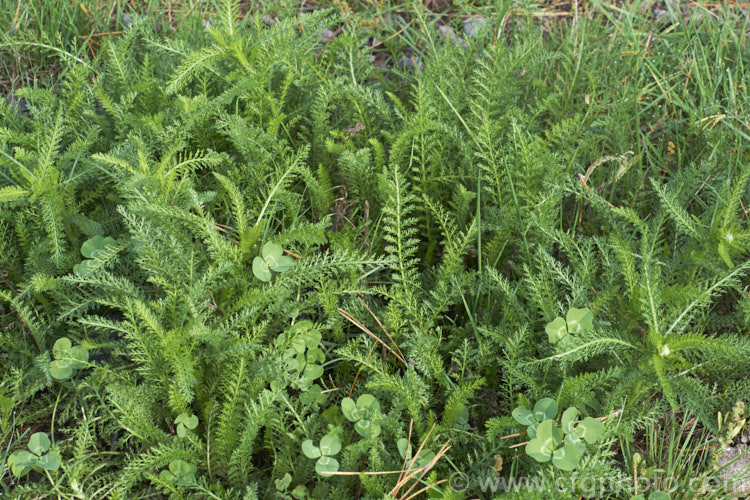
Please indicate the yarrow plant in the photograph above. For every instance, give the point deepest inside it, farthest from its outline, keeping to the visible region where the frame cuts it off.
(248, 252)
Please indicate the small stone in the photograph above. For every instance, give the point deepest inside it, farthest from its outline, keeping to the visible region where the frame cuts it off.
(450, 35)
(472, 25)
(18, 103)
(326, 35)
(410, 60)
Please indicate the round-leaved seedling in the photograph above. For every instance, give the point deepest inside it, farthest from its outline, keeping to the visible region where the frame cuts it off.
(271, 258)
(329, 445)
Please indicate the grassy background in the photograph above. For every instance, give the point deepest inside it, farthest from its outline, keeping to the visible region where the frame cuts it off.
(599, 86)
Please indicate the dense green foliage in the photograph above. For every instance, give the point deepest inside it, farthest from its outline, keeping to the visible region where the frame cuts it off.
(203, 235)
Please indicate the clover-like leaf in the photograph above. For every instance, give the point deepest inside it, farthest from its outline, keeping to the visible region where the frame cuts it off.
(60, 369)
(180, 473)
(91, 246)
(531, 430)
(271, 252)
(368, 403)
(315, 355)
(261, 269)
(80, 356)
(590, 429)
(167, 477)
(404, 448)
(83, 267)
(310, 450)
(183, 471)
(50, 461)
(349, 409)
(568, 419)
(281, 264)
(566, 457)
(580, 320)
(24, 458)
(312, 372)
(189, 421)
(575, 440)
(313, 395)
(62, 347)
(301, 327)
(545, 409)
(284, 482)
(523, 416)
(537, 450)
(312, 338)
(548, 432)
(367, 428)
(556, 330)
(20, 462)
(326, 465)
(39, 443)
(330, 445)
(94, 245)
(184, 422)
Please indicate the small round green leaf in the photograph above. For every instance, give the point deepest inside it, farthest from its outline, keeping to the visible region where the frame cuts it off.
(368, 402)
(61, 370)
(83, 268)
(39, 443)
(538, 451)
(367, 428)
(531, 430)
(261, 270)
(284, 482)
(272, 250)
(404, 448)
(301, 327)
(79, 354)
(580, 320)
(550, 433)
(312, 372)
(50, 461)
(574, 440)
(556, 330)
(310, 450)
(566, 458)
(330, 445)
(20, 462)
(313, 395)
(349, 409)
(545, 409)
(315, 355)
(62, 347)
(190, 421)
(24, 458)
(91, 246)
(568, 419)
(312, 338)
(590, 429)
(523, 416)
(281, 264)
(326, 465)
